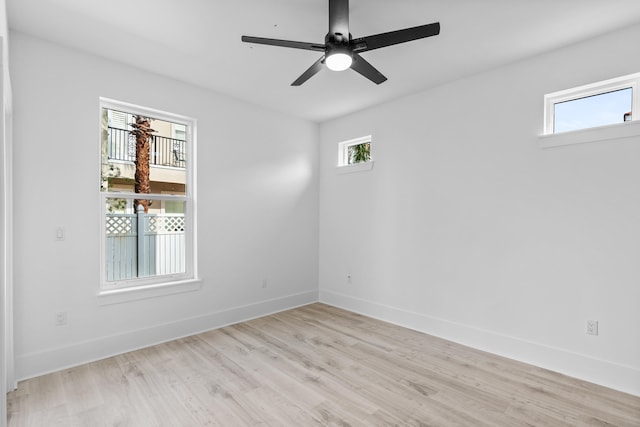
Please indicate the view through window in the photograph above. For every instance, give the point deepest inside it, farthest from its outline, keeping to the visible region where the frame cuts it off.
(592, 111)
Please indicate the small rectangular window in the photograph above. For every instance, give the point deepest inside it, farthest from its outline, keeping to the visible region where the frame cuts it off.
(146, 188)
(593, 111)
(355, 151)
(599, 104)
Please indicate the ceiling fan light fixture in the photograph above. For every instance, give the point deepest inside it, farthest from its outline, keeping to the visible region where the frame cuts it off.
(341, 51)
(338, 61)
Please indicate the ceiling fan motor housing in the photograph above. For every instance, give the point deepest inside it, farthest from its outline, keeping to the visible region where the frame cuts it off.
(337, 43)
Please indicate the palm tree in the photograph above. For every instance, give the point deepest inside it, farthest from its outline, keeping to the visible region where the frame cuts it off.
(360, 153)
(143, 133)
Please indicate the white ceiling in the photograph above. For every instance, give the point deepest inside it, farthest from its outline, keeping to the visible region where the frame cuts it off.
(198, 41)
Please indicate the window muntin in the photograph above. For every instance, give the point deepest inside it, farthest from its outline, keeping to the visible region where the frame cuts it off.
(355, 151)
(599, 104)
(157, 246)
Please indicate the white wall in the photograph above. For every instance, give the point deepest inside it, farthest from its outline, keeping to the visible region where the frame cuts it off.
(257, 209)
(465, 228)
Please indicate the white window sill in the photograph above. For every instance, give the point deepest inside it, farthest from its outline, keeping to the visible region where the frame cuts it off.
(602, 133)
(117, 296)
(357, 167)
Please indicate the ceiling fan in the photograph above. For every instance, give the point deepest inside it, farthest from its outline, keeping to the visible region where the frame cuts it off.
(341, 51)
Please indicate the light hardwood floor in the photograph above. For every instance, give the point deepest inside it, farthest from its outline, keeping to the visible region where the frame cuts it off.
(314, 365)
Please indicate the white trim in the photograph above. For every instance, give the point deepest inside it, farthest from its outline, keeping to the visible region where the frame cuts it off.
(355, 167)
(133, 293)
(608, 374)
(144, 111)
(8, 279)
(7, 348)
(54, 359)
(343, 147)
(619, 131)
(629, 81)
(169, 283)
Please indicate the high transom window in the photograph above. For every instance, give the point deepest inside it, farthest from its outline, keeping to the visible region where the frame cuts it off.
(355, 151)
(609, 102)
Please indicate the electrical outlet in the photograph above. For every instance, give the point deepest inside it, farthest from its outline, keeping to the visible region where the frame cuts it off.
(592, 327)
(61, 318)
(60, 234)
(264, 283)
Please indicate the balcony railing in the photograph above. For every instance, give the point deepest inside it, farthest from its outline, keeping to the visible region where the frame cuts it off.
(164, 151)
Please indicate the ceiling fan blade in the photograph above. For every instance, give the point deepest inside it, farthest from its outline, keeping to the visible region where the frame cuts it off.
(367, 70)
(311, 71)
(339, 18)
(284, 43)
(377, 41)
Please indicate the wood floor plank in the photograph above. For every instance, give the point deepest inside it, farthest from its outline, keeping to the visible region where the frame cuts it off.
(315, 365)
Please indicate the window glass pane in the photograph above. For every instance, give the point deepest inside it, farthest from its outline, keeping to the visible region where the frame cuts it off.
(162, 159)
(143, 244)
(359, 153)
(171, 206)
(592, 111)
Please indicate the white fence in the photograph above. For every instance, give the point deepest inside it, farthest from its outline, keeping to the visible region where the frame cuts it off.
(158, 250)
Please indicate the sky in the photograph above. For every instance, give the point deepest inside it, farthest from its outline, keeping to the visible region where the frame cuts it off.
(598, 110)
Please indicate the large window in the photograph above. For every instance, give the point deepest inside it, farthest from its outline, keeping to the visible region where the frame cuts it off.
(595, 105)
(147, 196)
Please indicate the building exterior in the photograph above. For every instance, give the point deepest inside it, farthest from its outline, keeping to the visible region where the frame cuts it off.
(167, 168)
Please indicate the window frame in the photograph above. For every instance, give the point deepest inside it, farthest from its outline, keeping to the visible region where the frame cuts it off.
(624, 82)
(171, 282)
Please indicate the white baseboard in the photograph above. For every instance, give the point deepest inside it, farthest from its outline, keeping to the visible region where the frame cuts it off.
(608, 374)
(55, 359)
